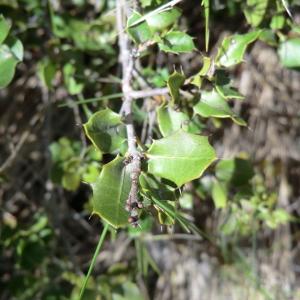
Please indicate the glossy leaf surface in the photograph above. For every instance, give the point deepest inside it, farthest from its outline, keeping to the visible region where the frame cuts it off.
(180, 157)
(110, 193)
(233, 48)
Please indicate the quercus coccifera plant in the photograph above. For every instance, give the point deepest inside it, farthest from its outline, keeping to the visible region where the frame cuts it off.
(150, 174)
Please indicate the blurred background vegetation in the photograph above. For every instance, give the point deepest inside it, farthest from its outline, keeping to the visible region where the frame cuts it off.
(244, 210)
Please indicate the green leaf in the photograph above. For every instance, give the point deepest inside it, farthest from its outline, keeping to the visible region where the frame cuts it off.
(180, 157)
(139, 33)
(175, 82)
(110, 193)
(233, 48)
(170, 120)
(177, 42)
(234, 171)
(11, 53)
(104, 130)
(197, 79)
(46, 72)
(219, 194)
(4, 29)
(73, 85)
(224, 87)
(163, 20)
(289, 53)
(277, 22)
(255, 11)
(213, 104)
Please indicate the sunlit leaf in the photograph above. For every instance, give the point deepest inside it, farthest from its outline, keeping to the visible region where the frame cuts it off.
(232, 49)
(177, 42)
(219, 195)
(212, 104)
(164, 19)
(170, 120)
(180, 157)
(111, 191)
(4, 29)
(289, 53)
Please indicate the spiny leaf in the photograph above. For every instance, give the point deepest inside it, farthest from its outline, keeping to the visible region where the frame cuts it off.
(110, 192)
(233, 48)
(175, 82)
(180, 157)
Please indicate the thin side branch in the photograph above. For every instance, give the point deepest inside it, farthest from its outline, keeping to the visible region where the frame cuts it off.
(134, 156)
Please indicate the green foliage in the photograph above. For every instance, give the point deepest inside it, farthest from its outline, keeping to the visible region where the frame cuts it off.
(104, 129)
(180, 157)
(70, 167)
(111, 191)
(11, 53)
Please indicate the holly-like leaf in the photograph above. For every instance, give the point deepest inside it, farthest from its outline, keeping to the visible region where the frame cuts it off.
(233, 48)
(110, 192)
(177, 42)
(213, 104)
(4, 29)
(163, 20)
(141, 32)
(104, 129)
(175, 82)
(289, 53)
(170, 120)
(255, 11)
(180, 157)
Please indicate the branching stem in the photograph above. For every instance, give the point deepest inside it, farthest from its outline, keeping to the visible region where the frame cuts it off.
(127, 61)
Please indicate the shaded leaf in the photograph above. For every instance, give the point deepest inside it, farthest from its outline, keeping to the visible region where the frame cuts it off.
(110, 193)
(234, 171)
(104, 130)
(180, 157)
(175, 82)
(233, 48)
(177, 42)
(139, 33)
